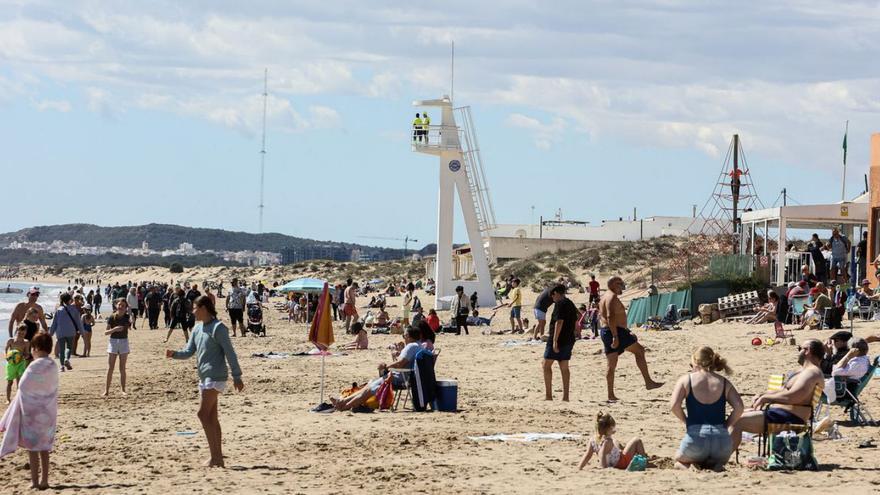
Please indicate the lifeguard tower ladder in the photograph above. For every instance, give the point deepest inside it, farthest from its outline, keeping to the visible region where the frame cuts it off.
(460, 168)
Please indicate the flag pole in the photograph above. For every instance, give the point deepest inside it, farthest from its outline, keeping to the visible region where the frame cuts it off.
(843, 186)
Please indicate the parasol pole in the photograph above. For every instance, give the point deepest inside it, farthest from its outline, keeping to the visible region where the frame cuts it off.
(323, 355)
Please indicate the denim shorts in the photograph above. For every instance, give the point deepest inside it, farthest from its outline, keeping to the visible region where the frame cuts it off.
(515, 312)
(540, 315)
(708, 446)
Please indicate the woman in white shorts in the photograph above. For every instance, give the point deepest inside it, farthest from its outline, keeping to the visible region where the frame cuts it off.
(209, 341)
(118, 325)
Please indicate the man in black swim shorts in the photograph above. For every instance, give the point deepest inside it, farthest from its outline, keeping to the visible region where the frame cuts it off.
(616, 338)
(792, 404)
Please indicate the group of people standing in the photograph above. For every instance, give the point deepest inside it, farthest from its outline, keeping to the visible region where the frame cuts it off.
(31, 417)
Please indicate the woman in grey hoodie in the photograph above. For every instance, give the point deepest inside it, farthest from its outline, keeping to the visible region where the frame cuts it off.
(209, 341)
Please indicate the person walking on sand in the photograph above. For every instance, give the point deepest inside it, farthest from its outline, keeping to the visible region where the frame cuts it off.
(560, 341)
(132, 300)
(21, 309)
(349, 309)
(515, 304)
(117, 346)
(65, 325)
(542, 304)
(617, 339)
(212, 346)
(17, 353)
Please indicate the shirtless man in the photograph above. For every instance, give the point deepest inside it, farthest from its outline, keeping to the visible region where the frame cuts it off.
(349, 308)
(793, 403)
(20, 311)
(617, 338)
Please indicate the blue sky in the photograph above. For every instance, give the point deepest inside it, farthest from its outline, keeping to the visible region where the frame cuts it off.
(133, 112)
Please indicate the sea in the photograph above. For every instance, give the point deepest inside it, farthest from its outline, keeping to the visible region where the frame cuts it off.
(48, 299)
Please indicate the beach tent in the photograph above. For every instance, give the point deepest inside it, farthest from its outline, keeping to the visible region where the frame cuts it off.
(321, 330)
(305, 285)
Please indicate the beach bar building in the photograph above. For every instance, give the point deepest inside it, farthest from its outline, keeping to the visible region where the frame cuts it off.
(776, 223)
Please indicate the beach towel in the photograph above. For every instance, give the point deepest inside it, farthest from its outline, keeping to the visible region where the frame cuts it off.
(517, 343)
(29, 421)
(525, 437)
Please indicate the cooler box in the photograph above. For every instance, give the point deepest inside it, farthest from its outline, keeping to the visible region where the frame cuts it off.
(447, 396)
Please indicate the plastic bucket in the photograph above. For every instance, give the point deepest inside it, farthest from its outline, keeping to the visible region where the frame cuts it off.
(447, 396)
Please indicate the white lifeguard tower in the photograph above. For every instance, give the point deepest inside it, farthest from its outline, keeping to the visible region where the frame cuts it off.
(461, 169)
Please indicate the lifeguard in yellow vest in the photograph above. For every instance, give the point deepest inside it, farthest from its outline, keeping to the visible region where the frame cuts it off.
(426, 124)
(417, 128)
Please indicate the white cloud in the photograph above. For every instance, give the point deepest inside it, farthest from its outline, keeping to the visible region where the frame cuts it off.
(667, 73)
(545, 135)
(56, 105)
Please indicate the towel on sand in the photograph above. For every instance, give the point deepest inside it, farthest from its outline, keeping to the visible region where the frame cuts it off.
(525, 437)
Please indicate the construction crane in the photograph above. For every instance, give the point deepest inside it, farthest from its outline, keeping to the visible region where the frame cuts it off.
(406, 240)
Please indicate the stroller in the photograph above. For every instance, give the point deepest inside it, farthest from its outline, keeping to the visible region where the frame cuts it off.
(255, 320)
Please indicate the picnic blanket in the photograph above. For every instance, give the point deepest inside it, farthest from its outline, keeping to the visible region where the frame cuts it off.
(30, 420)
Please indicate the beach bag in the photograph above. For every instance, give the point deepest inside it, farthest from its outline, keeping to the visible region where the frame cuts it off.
(385, 394)
(638, 463)
(791, 452)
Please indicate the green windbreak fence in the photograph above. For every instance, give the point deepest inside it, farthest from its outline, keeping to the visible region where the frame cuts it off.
(646, 307)
(729, 266)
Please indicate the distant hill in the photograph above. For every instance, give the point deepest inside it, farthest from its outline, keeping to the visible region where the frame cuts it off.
(161, 236)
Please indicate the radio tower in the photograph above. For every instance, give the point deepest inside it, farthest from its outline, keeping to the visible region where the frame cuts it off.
(263, 149)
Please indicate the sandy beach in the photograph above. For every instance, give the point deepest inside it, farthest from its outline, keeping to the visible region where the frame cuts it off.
(140, 443)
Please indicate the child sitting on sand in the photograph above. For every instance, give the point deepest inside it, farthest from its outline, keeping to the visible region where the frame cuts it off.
(610, 453)
(29, 422)
(361, 341)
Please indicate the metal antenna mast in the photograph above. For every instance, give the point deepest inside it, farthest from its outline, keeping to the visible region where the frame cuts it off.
(452, 74)
(263, 149)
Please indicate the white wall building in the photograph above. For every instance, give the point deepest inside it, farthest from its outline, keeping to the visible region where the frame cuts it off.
(516, 241)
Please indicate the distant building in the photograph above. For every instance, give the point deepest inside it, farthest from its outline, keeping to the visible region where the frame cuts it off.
(145, 246)
(291, 255)
(186, 248)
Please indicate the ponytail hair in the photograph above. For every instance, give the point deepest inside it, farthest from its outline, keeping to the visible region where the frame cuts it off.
(708, 359)
(604, 424)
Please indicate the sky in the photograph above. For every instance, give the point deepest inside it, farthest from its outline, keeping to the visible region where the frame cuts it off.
(129, 112)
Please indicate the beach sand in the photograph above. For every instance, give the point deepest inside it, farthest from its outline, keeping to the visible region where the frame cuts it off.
(273, 445)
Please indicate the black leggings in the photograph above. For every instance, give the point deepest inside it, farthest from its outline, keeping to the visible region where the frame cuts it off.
(461, 321)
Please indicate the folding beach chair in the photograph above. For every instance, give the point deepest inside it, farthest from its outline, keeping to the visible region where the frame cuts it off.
(847, 392)
(781, 332)
(805, 431)
(411, 385)
(796, 312)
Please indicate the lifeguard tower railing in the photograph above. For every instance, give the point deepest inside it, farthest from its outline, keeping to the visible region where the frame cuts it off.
(430, 139)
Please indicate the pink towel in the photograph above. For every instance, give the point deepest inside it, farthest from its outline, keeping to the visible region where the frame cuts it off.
(29, 421)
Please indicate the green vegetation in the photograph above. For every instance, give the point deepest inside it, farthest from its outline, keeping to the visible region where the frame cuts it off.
(176, 268)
